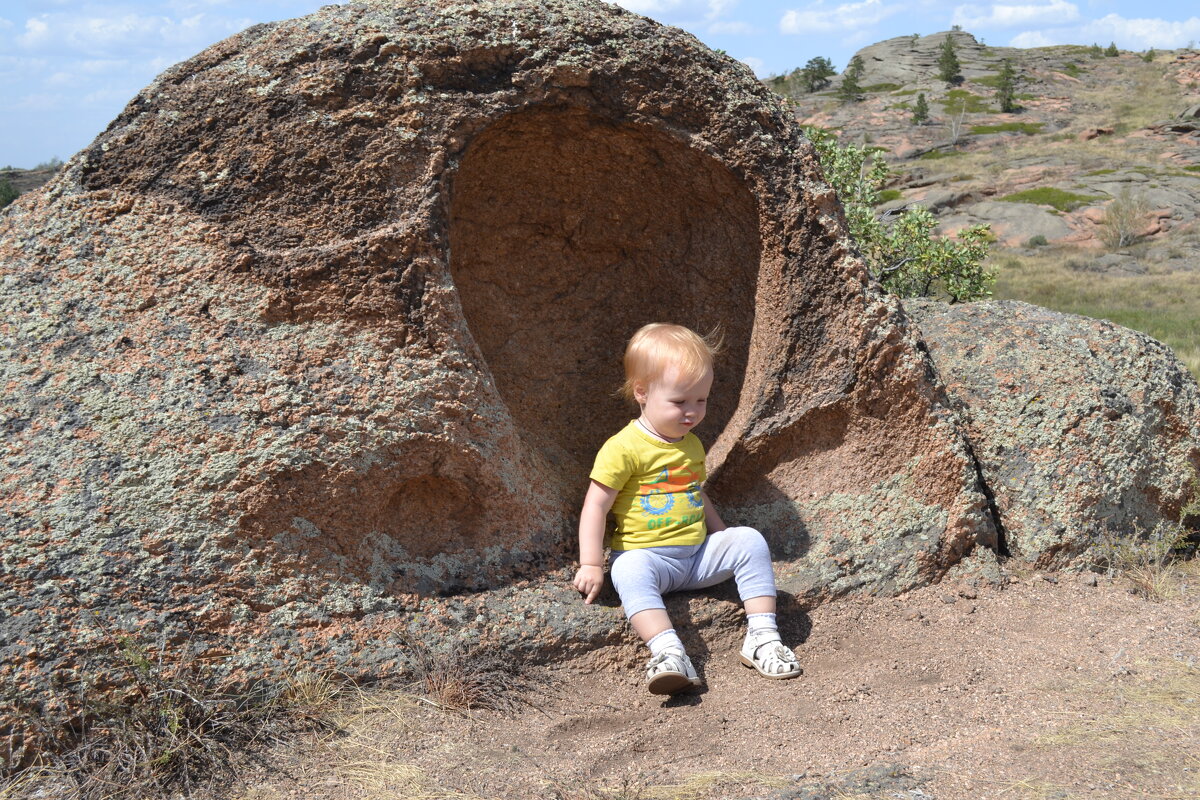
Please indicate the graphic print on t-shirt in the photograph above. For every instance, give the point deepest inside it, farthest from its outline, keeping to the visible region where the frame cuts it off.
(659, 497)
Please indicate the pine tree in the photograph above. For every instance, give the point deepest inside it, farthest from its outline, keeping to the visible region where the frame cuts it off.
(949, 69)
(850, 91)
(921, 112)
(1111, 51)
(816, 74)
(1006, 89)
(1094, 51)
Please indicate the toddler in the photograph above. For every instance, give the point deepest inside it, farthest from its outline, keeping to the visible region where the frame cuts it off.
(667, 535)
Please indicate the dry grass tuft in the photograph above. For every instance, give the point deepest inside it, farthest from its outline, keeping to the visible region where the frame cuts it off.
(465, 678)
(1150, 738)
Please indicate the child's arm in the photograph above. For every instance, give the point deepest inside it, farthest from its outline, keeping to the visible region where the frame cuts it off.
(590, 577)
(712, 520)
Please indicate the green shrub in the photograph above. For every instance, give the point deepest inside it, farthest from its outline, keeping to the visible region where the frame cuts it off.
(905, 257)
(888, 195)
(934, 155)
(1193, 168)
(1101, 172)
(1148, 56)
(1072, 69)
(1027, 128)
(1124, 217)
(1037, 241)
(1111, 51)
(881, 87)
(1050, 196)
(8, 192)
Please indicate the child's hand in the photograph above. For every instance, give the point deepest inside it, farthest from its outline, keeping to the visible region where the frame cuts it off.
(589, 580)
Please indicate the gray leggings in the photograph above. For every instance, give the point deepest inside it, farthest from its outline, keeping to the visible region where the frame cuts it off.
(643, 576)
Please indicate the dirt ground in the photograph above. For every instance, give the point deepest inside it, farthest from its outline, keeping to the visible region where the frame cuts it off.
(1046, 687)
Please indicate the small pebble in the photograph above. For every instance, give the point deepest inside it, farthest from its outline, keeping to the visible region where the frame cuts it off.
(912, 614)
(948, 598)
(968, 592)
(1087, 579)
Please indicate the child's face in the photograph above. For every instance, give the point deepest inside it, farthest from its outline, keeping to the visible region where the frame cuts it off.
(673, 405)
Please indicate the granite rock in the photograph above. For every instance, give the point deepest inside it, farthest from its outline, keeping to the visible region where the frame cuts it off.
(308, 353)
(1085, 432)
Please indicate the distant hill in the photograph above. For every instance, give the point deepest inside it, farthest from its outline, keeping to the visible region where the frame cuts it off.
(1094, 135)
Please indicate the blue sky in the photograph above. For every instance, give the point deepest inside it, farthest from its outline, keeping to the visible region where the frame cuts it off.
(67, 67)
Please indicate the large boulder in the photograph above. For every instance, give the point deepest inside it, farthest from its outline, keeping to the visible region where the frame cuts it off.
(1086, 433)
(324, 329)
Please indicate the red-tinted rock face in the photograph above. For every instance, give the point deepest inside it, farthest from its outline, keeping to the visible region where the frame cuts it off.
(326, 325)
(1086, 433)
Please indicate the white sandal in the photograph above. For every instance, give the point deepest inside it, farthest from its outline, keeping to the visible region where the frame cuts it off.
(771, 657)
(671, 671)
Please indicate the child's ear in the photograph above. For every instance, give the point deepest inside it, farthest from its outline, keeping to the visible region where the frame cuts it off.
(639, 393)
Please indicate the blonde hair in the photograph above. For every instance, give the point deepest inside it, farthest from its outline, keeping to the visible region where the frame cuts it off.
(660, 345)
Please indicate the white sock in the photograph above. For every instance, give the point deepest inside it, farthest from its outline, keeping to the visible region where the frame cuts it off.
(662, 641)
(760, 625)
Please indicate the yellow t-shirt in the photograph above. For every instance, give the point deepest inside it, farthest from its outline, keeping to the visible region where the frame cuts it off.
(658, 488)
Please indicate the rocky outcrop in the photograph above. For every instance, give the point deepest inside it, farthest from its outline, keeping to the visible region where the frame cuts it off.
(1085, 432)
(913, 60)
(323, 331)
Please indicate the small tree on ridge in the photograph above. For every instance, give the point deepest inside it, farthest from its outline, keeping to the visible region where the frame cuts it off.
(949, 69)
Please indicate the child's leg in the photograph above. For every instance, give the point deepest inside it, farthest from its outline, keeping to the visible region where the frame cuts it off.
(742, 553)
(640, 578)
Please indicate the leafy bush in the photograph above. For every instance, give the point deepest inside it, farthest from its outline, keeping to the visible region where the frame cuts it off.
(904, 256)
(1124, 217)
(8, 192)
(1037, 241)
(1111, 51)
(1050, 196)
(1027, 128)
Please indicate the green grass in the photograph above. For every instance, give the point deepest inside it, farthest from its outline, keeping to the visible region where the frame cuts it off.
(881, 87)
(1193, 168)
(1050, 196)
(1100, 172)
(1165, 306)
(1027, 128)
(905, 93)
(1072, 69)
(934, 155)
(990, 81)
(888, 195)
(956, 99)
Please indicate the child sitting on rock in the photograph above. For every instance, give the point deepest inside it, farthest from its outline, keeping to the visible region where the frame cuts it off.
(668, 537)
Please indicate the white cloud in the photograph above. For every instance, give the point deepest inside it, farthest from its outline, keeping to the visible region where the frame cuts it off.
(41, 102)
(1033, 39)
(1139, 34)
(756, 64)
(717, 8)
(120, 34)
(1055, 12)
(648, 7)
(734, 27)
(818, 17)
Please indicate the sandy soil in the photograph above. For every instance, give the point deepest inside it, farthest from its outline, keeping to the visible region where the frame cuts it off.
(1046, 687)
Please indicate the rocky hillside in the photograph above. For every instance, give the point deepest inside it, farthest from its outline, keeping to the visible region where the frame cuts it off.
(1090, 129)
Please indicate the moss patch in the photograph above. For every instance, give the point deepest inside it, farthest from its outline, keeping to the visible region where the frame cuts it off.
(1050, 196)
(1027, 128)
(957, 99)
(888, 195)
